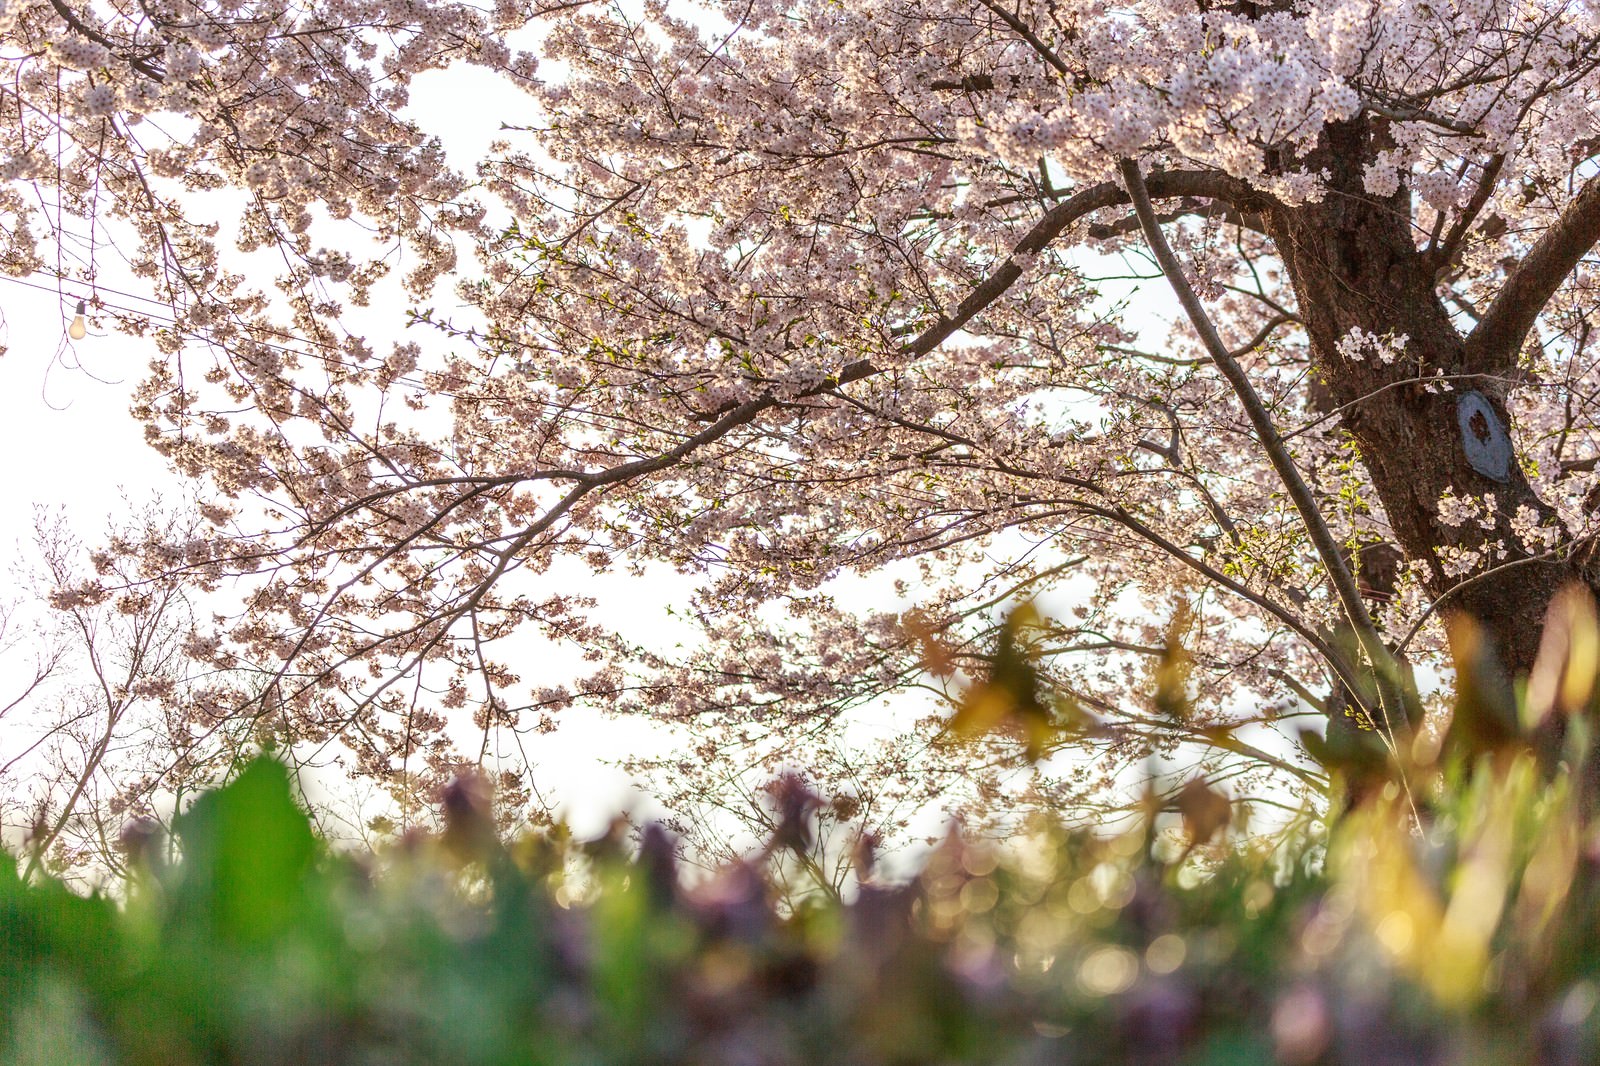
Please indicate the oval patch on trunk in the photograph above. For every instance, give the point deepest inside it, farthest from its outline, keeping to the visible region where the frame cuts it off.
(1484, 436)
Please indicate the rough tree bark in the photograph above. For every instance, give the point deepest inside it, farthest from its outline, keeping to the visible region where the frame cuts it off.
(1354, 263)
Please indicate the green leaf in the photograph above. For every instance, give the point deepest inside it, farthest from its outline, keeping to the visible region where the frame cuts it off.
(247, 850)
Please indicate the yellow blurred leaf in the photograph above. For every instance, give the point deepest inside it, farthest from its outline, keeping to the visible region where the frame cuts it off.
(1485, 716)
(1011, 697)
(1176, 664)
(1373, 858)
(1443, 938)
(1206, 812)
(937, 657)
(982, 710)
(1548, 877)
(1563, 676)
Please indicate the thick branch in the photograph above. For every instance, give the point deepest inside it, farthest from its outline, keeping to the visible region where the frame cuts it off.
(1162, 185)
(1189, 208)
(968, 83)
(1441, 256)
(1021, 29)
(143, 66)
(1495, 344)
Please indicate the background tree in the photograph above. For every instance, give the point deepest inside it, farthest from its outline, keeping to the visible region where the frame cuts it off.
(771, 292)
(105, 733)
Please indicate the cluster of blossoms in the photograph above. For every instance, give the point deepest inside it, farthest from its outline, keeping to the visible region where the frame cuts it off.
(1456, 511)
(1359, 344)
(79, 53)
(1461, 562)
(1535, 532)
(99, 101)
(300, 105)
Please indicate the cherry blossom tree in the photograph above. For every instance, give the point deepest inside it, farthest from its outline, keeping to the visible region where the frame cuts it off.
(770, 293)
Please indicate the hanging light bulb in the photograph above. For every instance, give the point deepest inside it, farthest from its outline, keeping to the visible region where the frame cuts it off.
(78, 330)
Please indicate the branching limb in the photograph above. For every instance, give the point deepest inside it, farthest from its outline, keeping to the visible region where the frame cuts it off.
(1495, 344)
(1021, 29)
(1444, 254)
(1178, 183)
(1327, 548)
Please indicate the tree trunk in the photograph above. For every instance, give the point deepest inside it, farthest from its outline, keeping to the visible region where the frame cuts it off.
(1354, 264)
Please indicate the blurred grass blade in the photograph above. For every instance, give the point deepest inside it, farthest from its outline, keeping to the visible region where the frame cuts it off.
(1563, 677)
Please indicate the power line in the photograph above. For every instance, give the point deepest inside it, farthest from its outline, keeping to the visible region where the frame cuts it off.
(96, 289)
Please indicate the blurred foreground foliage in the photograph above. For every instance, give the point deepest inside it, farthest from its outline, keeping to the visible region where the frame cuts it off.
(1448, 913)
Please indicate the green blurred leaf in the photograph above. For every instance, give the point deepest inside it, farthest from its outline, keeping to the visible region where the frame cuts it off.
(52, 1027)
(247, 850)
